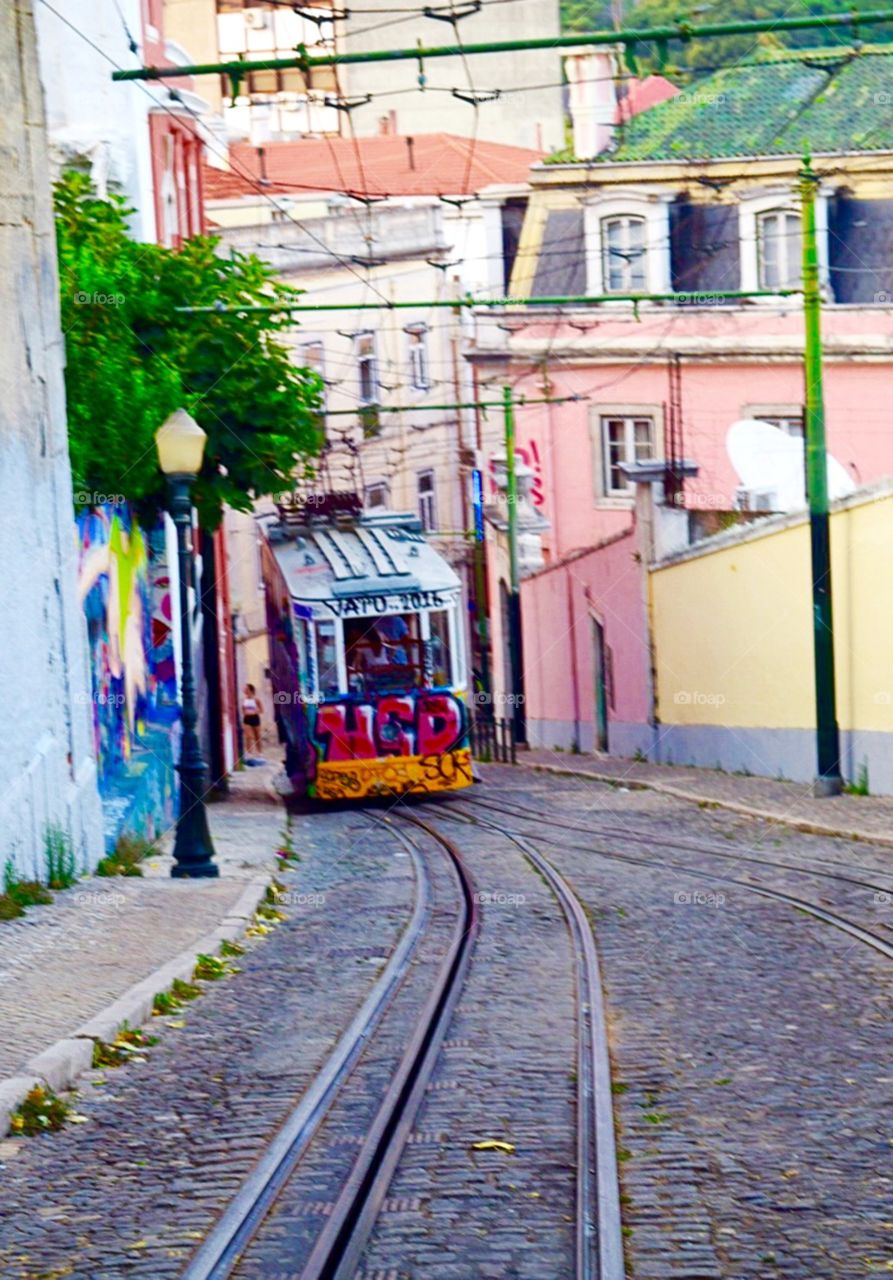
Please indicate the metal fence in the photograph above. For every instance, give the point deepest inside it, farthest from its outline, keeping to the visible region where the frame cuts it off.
(492, 740)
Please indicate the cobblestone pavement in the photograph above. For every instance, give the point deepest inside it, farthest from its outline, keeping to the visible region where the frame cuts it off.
(507, 1073)
(750, 1052)
(750, 1043)
(62, 963)
(793, 802)
(168, 1141)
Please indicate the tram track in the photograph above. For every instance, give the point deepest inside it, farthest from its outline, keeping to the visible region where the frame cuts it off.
(337, 1249)
(856, 931)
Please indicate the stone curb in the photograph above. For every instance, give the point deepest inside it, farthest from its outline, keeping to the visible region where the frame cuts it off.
(59, 1066)
(735, 806)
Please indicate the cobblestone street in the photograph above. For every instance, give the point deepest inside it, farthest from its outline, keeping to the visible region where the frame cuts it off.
(749, 1043)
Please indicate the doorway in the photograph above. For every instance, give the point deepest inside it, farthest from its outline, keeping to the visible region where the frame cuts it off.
(600, 671)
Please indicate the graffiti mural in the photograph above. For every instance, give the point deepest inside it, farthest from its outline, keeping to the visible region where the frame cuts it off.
(125, 595)
(398, 743)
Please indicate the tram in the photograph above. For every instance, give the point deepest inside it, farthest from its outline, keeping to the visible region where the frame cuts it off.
(367, 653)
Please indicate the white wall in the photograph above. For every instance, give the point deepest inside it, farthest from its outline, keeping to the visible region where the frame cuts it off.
(90, 115)
(47, 774)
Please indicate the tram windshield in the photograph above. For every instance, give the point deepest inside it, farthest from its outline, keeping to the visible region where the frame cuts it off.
(384, 653)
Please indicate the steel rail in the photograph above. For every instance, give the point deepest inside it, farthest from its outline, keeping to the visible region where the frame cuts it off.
(338, 1250)
(622, 833)
(809, 908)
(599, 1231)
(220, 1251)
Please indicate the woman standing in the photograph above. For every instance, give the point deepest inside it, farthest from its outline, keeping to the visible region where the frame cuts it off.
(251, 713)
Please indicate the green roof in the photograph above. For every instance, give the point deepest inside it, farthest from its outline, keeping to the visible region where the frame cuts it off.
(817, 100)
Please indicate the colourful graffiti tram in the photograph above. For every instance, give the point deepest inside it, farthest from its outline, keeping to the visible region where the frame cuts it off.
(367, 653)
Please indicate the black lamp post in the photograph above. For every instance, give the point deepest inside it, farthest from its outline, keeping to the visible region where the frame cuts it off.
(181, 444)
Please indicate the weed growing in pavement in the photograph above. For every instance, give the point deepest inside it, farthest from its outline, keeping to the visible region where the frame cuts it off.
(231, 948)
(19, 894)
(287, 853)
(59, 857)
(128, 853)
(209, 968)
(185, 990)
(41, 1111)
(860, 786)
(126, 1044)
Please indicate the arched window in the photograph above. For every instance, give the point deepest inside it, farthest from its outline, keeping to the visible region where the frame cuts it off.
(779, 249)
(624, 252)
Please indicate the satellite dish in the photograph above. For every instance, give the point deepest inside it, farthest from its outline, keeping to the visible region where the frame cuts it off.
(772, 470)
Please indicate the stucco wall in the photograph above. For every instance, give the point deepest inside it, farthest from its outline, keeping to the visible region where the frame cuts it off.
(560, 606)
(47, 773)
(733, 638)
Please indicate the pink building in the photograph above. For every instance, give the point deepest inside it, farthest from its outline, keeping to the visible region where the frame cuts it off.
(699, 196)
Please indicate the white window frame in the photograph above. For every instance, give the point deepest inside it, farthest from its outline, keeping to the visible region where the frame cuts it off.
(319, 368)
(603, 495)
(417, 353)
(768, 200)
(789, 249)
(428, 473)
(782, 416)
(629, 265)
(367, 357)
(653, 209)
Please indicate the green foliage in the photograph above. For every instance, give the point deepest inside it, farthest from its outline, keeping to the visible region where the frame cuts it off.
(702, 55)
(61, 871)
(40, 1112)
(131, 359)
(19, 894)
(128, 853)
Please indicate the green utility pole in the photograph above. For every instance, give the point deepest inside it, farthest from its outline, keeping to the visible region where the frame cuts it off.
(628, 37)
(828, 782)
(516, 635)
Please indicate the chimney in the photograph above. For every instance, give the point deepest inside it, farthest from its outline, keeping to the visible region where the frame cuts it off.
(384, 126)
(593, 79)
(410, 143)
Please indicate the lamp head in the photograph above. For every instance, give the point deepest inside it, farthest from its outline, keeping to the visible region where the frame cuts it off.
(181, 445)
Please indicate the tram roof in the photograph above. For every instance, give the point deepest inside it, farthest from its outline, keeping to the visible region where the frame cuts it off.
(381, 554)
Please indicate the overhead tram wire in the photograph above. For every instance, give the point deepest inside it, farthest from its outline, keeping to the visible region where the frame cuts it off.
(201, 137)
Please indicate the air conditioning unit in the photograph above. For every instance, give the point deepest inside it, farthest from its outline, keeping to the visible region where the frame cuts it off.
(756, 500)
(258, 19)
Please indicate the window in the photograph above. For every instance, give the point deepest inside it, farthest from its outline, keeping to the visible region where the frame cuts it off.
(313, 356)
(624, 440)
(376, 495)
(778, 249)
(788, 418)
(427, 508)
(418, 358)
(327, 659)
(624, 255)
(364, 344)
(437, 650)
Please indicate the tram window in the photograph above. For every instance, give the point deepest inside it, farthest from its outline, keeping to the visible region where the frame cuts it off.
(327, 658)
(438, 649)
(383, 653)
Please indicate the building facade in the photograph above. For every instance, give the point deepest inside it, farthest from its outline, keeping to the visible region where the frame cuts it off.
(48, 785)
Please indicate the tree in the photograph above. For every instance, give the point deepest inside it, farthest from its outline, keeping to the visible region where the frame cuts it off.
(131, 358)
(703, 55)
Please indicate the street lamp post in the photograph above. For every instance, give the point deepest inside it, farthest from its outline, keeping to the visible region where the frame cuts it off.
(181, 443)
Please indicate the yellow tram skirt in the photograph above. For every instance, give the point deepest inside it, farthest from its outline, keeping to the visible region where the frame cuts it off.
(392, 775)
